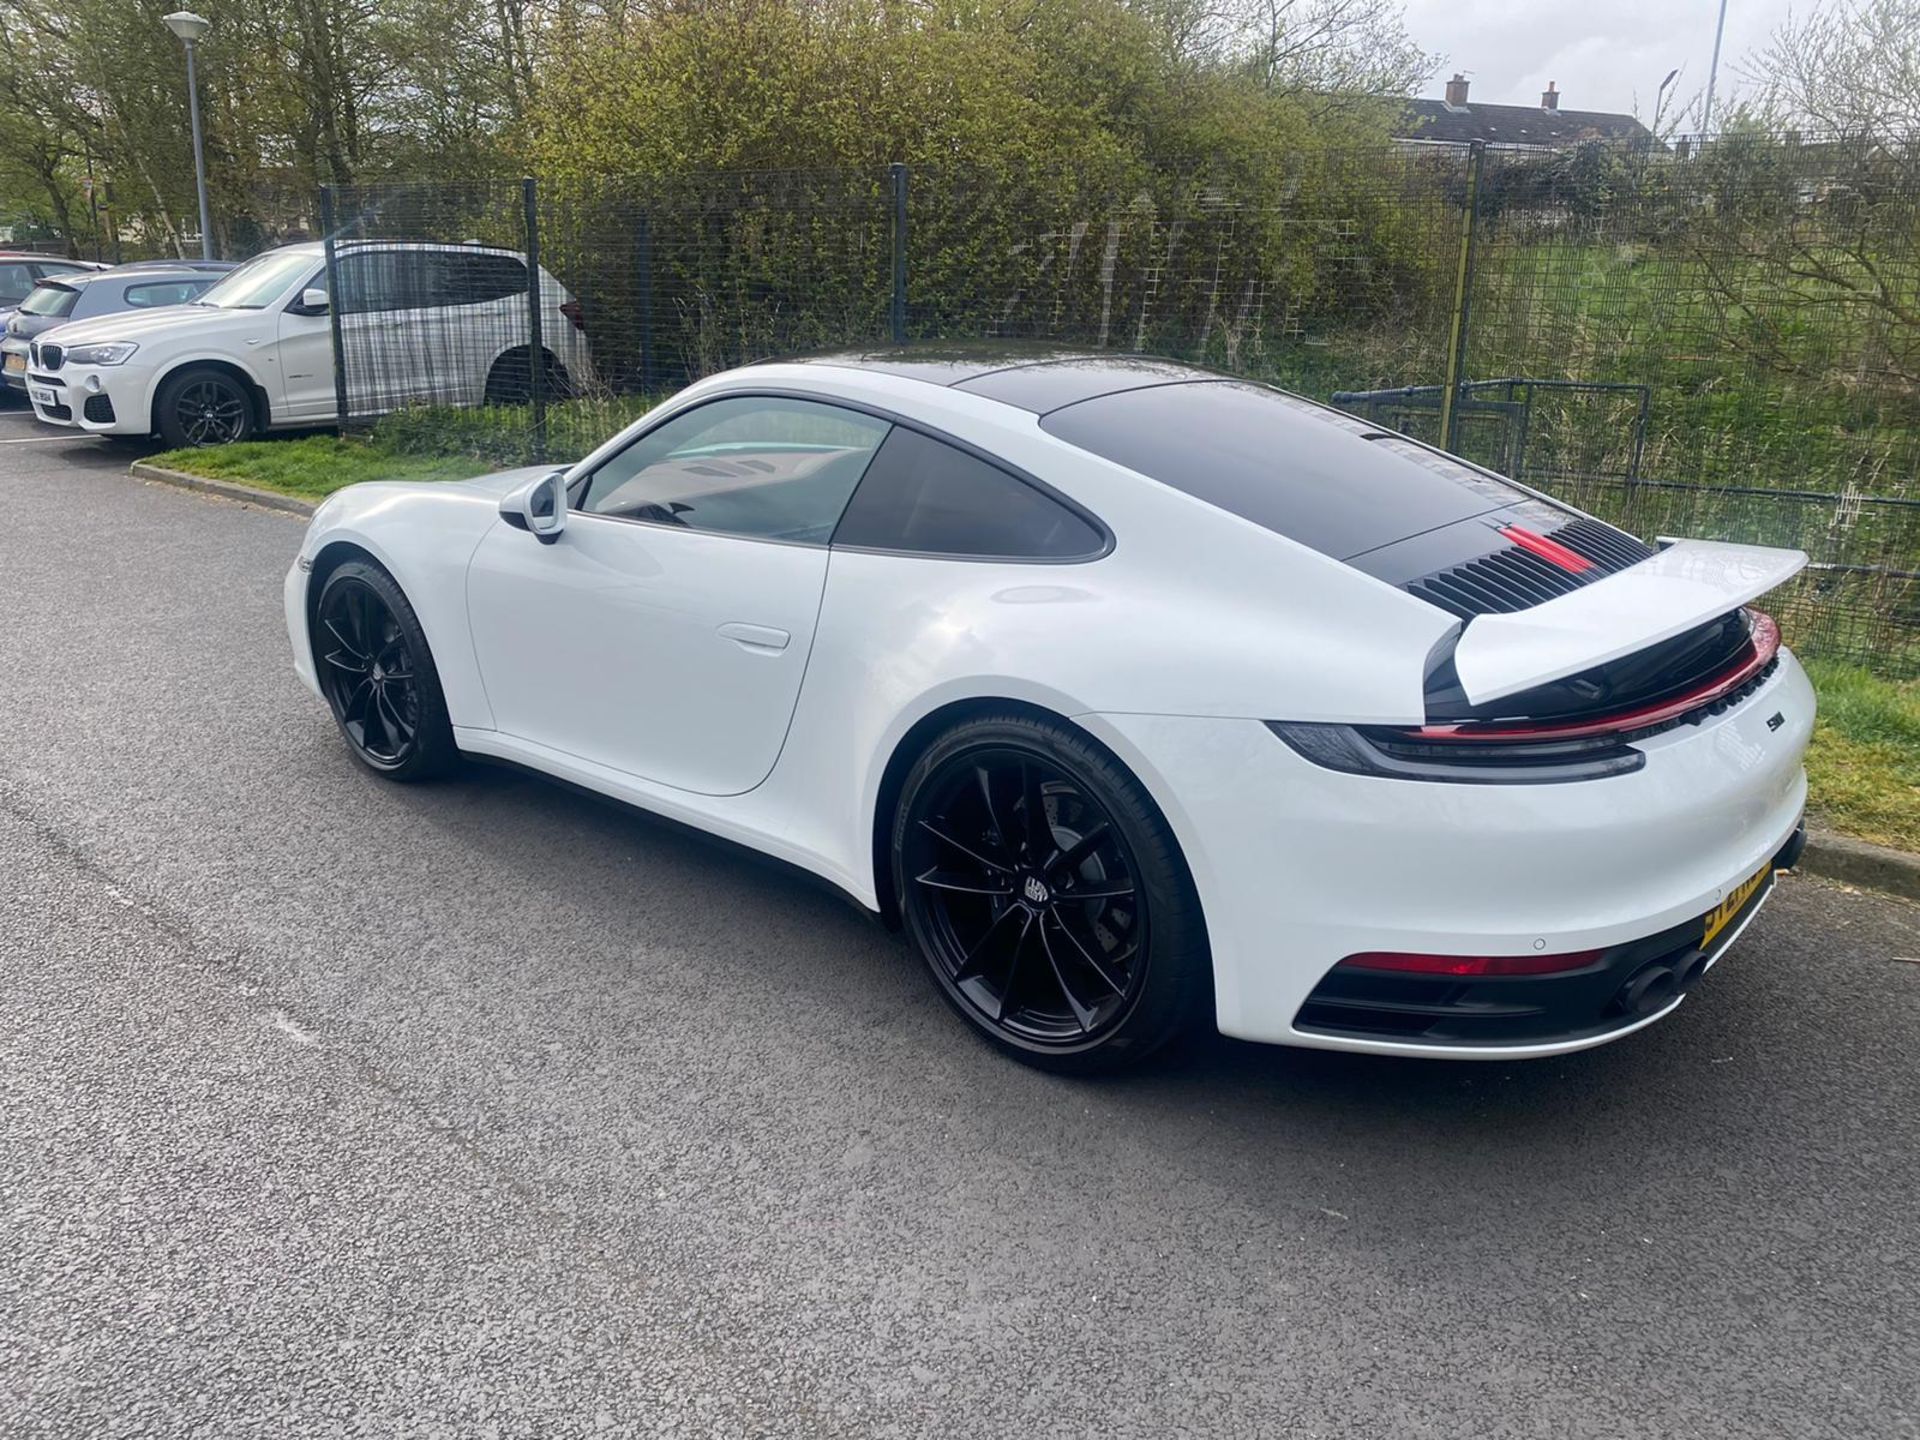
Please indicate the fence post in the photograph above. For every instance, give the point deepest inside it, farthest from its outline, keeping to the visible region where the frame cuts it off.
(643, 248)
(1462, 299)
(536, 342)
(898, 173)
(334, 301)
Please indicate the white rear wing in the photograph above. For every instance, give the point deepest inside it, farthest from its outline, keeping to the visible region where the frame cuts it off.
(1687, 584)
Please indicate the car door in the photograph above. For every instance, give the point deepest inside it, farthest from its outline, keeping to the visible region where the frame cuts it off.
(386, 333)
(303, 353)
(664, 633)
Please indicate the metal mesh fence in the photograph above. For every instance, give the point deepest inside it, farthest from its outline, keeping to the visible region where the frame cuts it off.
(1719, 340)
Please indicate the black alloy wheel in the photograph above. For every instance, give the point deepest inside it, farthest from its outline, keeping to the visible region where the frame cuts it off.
(378, 676)
(1035, 877)
(204, 407)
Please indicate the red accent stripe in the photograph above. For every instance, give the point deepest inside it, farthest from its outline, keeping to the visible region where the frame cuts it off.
(1552, 551)
(1764, 645)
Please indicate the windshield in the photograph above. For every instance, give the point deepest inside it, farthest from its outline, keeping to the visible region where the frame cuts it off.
(260, 282)
(50, 300)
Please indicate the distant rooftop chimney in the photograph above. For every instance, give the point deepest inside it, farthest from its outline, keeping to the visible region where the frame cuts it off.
(1550, 99)
(1457, 92)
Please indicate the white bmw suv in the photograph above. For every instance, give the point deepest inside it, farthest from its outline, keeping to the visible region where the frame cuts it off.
(420, 324)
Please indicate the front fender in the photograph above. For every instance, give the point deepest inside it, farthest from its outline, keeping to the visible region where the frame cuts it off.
(424, 536)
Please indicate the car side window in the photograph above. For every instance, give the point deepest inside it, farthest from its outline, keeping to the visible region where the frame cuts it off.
(925, 496)
(15, 282)
(476, 279)
(377, 280)
(163, 292)
(755, 465)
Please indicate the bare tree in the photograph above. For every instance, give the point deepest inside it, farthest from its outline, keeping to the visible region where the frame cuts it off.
(1847, 68)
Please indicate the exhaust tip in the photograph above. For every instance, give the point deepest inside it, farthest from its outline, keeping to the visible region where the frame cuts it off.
(1650, 988)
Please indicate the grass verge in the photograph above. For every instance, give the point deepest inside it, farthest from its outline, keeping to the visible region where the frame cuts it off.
(418, 444)
(313, 466)
(1863, 769)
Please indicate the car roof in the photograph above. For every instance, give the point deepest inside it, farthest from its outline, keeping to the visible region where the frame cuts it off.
(1035, 378)
(159, 270)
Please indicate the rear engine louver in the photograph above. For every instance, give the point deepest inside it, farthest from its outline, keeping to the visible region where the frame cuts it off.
(1519, 576)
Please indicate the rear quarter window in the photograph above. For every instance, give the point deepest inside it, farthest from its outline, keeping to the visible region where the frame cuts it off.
(1326, 480)
(927, 497)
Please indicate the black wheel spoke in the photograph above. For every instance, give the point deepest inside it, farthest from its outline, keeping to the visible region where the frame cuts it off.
(340, 660)
(975, 959)
(1013, 965)
(965, 850)
(1083, 1013)
(1080, 849)
(964, 883)
(395, 722)
(351, 645)
(983, 777)
(1039, 835)
(1097, 890)
(1107, 978)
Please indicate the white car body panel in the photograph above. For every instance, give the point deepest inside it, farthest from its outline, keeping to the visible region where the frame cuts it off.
(1689, 582)
(1172, 650)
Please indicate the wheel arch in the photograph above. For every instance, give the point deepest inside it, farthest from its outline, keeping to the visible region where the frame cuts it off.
(256, 392)
(913, 743)
(521, 348)
(329, 558)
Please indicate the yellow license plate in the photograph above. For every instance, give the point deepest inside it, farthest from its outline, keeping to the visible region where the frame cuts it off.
(16, 364)
(1723, 913)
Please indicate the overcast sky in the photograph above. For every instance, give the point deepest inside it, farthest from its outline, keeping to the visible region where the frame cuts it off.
(1604, 54)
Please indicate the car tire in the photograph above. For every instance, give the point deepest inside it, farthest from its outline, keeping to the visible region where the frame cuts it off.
(378, 676)
(201, 406)
(507, 381)
(1075, 943)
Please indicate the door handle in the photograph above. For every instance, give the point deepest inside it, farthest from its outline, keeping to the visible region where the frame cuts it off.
(755, 637)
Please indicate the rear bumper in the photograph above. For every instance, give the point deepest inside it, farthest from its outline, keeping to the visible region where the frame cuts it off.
(1299, 867)
(1618, 990)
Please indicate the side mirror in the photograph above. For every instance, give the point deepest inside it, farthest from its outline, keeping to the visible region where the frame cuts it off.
(539, 506)
(313, 301)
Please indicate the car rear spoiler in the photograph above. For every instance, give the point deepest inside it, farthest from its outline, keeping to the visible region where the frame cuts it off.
(1687, 584)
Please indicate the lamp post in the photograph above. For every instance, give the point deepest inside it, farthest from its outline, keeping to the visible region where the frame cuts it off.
(190, 28)
(1713, 72)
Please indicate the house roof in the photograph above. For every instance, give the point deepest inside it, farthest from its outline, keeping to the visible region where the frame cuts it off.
(1437, 122)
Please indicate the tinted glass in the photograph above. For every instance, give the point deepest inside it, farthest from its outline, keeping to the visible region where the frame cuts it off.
(51, 300)
(155, 293)
(1327, 480)
(772, 468)
(15, 281)
(474, 279)
(377, 280)
(57, 267)
(926, 496)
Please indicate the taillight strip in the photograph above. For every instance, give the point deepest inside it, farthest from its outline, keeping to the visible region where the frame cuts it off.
(1763, 647)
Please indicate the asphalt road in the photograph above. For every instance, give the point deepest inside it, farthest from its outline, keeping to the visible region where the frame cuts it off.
(329, 1107)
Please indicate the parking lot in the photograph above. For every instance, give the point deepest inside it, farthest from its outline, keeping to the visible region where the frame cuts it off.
(329, 1107)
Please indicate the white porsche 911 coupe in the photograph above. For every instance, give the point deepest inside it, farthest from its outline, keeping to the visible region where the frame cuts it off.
(1139, 696)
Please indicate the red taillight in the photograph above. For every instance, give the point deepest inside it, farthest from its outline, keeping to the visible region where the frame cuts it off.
(571, 309)
(1470, 966)
(1552, 551)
